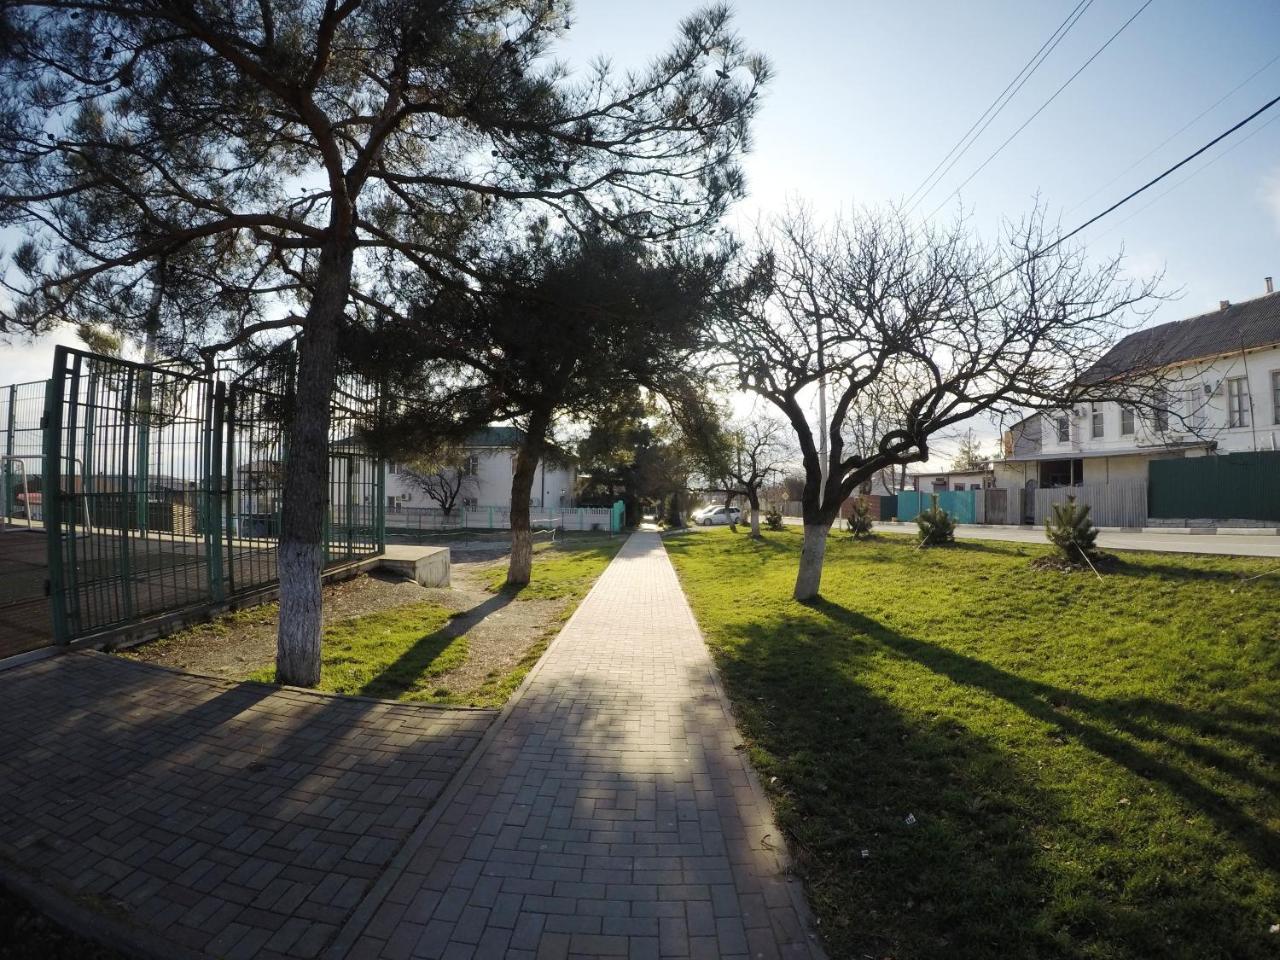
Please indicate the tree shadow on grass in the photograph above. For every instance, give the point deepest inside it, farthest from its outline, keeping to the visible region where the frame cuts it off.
(1093, 722)
(1173, 571)
(404, 673)
(971, 877)
(846, 769)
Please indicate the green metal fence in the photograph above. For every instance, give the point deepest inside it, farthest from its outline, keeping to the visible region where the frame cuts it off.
(1232, 486)
(958, 503)
(163, 486)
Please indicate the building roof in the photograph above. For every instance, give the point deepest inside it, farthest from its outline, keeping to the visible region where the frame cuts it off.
(509, 437)
(1239, 326)
(974, 471)
(1100, 452)
(505, 437)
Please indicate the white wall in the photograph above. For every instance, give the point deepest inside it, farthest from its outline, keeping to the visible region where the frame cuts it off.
(491, 487)
(1196, 416)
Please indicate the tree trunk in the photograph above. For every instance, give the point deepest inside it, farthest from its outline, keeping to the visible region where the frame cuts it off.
(814, 548)
(520, 568)
(300, 558)
(754, 500)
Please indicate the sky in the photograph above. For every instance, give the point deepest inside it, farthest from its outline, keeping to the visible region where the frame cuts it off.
(868, 96)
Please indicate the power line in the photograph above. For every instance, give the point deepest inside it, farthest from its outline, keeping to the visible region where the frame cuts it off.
(1041, 108)
(1019, 79)
(1177, 132)
(1154, 180)
(1193, 174)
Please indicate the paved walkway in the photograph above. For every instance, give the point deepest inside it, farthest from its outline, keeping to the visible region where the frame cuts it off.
(193, 817)
(607, 813)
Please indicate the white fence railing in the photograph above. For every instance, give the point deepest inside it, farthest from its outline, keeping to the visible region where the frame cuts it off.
(427, 519)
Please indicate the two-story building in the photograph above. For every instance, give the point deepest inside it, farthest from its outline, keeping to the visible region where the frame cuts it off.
(1220, 373)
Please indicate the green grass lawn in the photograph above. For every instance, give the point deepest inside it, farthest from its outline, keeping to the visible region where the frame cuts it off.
(564, 569)
(401, 653)
(1090, 766)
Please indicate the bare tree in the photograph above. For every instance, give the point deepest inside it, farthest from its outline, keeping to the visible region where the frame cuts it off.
(444, 475)
(754, 454)
(926, 327)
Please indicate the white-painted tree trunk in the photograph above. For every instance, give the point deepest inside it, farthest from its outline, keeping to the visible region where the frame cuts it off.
(300, 555)
(814, 548)
(298, 650)
(755, 523)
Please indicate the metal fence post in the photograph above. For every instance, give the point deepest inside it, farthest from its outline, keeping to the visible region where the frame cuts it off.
(215, 413)
(11, 425)
(52, 483)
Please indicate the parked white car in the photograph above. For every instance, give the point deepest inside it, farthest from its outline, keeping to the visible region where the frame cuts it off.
(717, 516)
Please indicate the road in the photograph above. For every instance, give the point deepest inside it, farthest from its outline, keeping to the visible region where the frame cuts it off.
(1221, 544)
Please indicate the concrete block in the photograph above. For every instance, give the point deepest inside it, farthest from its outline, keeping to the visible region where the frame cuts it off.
(429, 566)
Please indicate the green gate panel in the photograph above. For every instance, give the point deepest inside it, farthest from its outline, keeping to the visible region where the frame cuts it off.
(1231, 486)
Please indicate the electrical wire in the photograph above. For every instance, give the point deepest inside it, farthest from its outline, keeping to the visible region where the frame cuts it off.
(1193, 174)
(1041, 108)
(1154, 180)
(1177, 132)
(1019, 79)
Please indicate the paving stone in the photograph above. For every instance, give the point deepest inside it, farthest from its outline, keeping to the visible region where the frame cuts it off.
(612, 805)
(223, 817)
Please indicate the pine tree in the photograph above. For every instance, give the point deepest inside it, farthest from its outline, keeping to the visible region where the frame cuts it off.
(936, 527)
(1071, 532)
(860, 518)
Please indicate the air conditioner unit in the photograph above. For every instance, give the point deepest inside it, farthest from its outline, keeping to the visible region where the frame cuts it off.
(1213, 388)
(1080, 412)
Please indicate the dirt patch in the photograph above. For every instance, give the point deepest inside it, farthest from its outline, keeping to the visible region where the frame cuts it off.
(1101, 563)
(501, 631)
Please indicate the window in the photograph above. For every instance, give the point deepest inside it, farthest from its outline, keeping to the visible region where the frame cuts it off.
(1161, 414)
(1128, 424)
(1237, 402)
(1064, 428)
(469, 503)
(1096, 422)
(1275, 396)
(471, 466)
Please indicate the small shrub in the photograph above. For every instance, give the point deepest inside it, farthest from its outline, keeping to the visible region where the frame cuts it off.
(860, 519)
(1072, 533)
(773, 520)
(935, 527)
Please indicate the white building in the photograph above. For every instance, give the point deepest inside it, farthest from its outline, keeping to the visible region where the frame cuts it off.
(490, 458)
(1222, 372)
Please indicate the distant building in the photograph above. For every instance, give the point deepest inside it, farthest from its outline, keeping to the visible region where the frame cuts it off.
(489, 458)
(942, 481)
(1223, 373)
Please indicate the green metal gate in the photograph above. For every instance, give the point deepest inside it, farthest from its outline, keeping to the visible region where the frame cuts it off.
(1230, 486)
(163, 486)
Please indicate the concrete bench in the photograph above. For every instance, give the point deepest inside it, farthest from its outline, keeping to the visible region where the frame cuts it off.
(429, 566)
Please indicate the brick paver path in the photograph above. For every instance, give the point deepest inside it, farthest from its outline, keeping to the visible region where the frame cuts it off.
(607, 814)
(213, 819)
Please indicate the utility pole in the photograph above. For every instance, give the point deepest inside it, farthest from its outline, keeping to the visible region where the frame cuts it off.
(822, 414)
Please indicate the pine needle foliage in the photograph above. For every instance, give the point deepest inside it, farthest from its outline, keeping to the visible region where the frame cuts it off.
(936, 527)
(1072, 532)
(860, 522)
